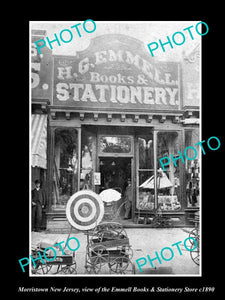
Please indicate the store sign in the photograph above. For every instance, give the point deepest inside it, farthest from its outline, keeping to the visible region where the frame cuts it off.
(97, 178)
(113, 74)
(41, 72)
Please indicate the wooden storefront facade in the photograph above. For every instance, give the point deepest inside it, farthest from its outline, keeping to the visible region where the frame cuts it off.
(113, 112)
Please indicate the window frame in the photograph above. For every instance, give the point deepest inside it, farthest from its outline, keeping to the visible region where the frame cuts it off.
(51, 162)
(116, 154)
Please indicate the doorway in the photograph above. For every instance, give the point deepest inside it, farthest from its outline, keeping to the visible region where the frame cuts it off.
(115, 173)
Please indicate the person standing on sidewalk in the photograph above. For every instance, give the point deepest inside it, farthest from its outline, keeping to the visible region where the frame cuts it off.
(128, 199)
(38, 203)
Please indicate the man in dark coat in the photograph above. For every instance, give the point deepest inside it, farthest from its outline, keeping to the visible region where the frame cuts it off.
(128, 199)
(38, 203)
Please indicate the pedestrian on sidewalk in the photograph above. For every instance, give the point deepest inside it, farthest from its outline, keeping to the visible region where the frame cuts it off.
(38, 203)
(128, 200)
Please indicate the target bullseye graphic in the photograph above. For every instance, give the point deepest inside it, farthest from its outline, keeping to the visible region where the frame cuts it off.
(84, 210)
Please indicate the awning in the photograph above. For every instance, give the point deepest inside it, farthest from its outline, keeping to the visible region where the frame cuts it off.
(162, 182)
(39, 141)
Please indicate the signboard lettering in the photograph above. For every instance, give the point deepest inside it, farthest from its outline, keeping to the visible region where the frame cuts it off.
(113, 78)
(41, 72)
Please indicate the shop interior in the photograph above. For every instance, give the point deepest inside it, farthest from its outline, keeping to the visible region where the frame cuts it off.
(115, 173)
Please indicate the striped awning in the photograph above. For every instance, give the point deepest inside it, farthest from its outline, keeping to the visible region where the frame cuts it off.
(39, 141)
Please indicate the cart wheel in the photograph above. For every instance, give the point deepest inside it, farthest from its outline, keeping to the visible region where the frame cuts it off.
(156, 222)
(98, 256)
(125, 250)
(195, 254)
(70, 269)
(88, 268)
(194, 234)
(130, 268)
(88, 262)
(164, 223)
(121, 265)
(41, 268)
(167, 222)
(170, 223)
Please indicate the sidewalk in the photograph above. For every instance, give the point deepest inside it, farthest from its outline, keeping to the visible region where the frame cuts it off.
(143, 241)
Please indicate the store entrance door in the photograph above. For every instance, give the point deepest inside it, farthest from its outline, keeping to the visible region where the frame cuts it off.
(115, 173)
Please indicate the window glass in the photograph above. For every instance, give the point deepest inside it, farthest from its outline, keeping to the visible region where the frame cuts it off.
(192, 168)
(145, 148)
(65, 166)
(145, 189)
(87, 145)
(168, 181)
(115, 144)
(145, 199)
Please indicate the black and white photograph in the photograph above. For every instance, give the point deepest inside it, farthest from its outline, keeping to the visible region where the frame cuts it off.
(118, 156)
(115, 148)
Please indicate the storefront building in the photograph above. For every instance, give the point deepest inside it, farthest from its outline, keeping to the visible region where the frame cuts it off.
(191, 124)
(41, 87)
(113, 113)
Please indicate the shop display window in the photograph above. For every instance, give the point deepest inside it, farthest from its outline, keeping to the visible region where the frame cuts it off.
(145, 189)
(168, 182)
(145, 151)
(192, 168)
(65, 166)
(87, 157)
(145, 199)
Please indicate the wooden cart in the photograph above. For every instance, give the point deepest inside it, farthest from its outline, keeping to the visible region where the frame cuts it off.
(61, 264)
(108, 250)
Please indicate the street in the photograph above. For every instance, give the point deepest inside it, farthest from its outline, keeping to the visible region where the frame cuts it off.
(144, 242)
